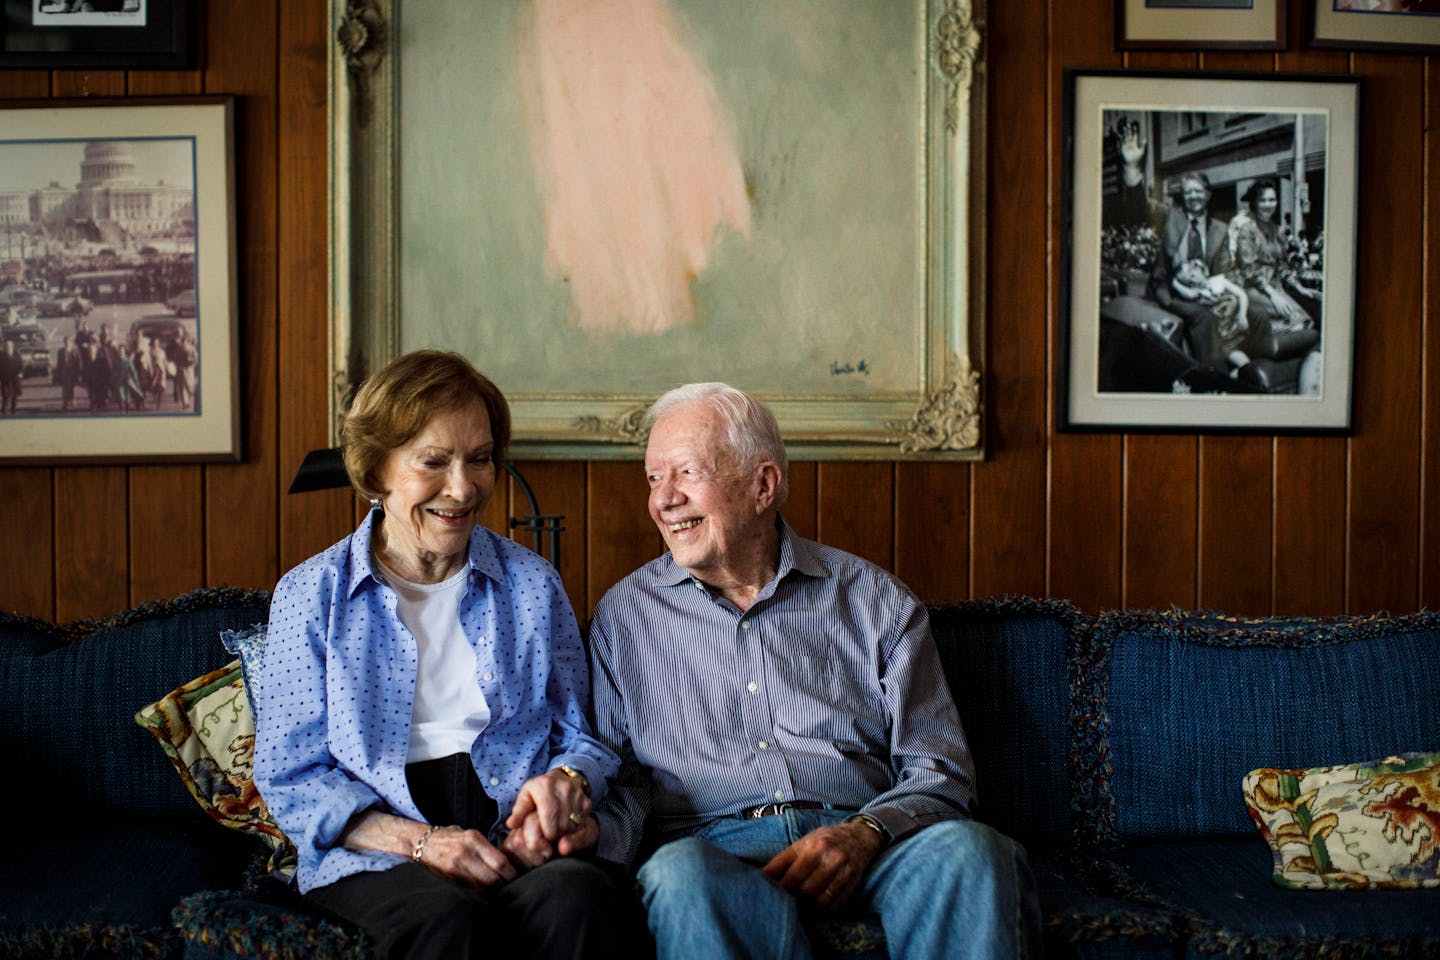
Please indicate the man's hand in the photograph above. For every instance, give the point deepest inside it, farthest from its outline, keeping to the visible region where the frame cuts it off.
(826, 865)
(1132, 151)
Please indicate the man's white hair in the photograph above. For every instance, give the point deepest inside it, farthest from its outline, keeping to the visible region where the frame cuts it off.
(748, 429)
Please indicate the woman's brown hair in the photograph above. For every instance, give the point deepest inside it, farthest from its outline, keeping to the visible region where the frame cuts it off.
(394, 405)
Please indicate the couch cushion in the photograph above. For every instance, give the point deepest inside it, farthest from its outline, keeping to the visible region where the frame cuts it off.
(68, 696)
(113, 872)
(1005, 661)
(1175, 709)
(1084, 916)
(1223, 888)
(269, 921)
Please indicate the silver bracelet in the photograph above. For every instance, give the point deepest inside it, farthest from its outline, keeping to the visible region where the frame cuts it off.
(419, 850)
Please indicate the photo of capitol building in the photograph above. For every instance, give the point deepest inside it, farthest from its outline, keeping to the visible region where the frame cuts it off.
(110, 203)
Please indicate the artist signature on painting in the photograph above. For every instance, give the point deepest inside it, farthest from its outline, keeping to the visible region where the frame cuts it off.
(845, 368)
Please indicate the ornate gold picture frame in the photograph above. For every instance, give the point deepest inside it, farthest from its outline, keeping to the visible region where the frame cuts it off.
(788, 197)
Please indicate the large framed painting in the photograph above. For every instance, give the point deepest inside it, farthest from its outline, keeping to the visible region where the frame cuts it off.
(117, 281)
(1200, 24)
(597, 202)
(1208, 271)
(97, 34)
(1388, 25)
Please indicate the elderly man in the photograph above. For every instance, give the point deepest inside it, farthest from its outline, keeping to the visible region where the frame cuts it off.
(787, 736)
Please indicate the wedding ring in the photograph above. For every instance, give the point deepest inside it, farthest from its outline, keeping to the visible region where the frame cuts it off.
(575, 817)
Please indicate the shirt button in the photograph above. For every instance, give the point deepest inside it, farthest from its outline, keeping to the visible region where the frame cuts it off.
(752, 686)
(488, 677)
(744, 624)
(764, 744)
(494, 781)
(779, 794)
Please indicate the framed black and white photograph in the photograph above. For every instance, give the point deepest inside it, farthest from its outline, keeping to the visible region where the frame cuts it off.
(1200, 24)
(97, 34)
(1208, 276)
(1392, 25)
(117, 281)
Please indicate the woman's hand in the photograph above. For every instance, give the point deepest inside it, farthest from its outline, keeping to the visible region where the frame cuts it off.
(462, 855)
(466, 856)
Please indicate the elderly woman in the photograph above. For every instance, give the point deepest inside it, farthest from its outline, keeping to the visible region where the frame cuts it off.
(421, 733)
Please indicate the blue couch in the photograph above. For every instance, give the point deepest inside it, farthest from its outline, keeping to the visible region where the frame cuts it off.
(1112, 746)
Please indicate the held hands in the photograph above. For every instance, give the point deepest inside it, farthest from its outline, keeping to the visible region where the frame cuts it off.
(826, 865)
(551, 815)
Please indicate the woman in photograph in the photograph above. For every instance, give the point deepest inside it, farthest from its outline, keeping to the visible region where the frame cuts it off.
(421, 731)
(1279, 325)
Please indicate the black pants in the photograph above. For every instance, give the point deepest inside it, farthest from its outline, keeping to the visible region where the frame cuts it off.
(570, 907)
(1199, 322)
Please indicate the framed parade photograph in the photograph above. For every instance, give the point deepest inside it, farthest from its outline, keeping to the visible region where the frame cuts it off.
(595, 212)
(1200, 24)
(1208, 270)
(97, 34)
(117, 281)
(1394, 25)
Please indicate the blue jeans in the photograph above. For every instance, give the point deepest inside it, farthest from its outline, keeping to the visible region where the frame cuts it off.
(955, 889)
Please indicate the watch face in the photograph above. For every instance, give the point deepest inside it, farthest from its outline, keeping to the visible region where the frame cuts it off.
(873, 824)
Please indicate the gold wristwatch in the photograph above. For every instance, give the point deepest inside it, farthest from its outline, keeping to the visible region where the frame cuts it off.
(577, 776)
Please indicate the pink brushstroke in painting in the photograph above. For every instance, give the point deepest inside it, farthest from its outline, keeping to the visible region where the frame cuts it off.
(637, 169)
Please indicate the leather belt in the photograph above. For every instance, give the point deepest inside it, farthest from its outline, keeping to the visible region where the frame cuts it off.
(770, 809)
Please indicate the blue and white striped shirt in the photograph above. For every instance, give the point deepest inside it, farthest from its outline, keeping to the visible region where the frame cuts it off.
(337, 691)
(827, 689)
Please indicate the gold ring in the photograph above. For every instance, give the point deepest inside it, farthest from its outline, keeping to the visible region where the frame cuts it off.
(575, 817)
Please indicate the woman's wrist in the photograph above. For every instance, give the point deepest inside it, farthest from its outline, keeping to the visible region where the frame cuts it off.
(417, 852)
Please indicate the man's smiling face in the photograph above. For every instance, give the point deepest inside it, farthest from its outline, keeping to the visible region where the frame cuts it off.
(705, 504)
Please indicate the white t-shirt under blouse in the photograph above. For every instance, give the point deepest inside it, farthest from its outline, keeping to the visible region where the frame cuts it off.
(450, 709)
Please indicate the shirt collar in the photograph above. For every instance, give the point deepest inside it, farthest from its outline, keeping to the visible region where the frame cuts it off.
(483, 558)
(796, 554)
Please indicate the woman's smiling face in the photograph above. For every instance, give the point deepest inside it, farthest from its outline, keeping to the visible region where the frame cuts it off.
(1265, 204)
(437, 486)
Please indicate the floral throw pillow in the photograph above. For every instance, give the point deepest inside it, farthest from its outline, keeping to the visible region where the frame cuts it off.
(1353, 826)
(207, 730)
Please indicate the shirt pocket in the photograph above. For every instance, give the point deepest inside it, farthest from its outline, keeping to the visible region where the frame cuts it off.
(823, 698)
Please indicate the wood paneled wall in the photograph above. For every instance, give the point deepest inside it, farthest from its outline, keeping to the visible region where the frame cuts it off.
(1250, 525)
